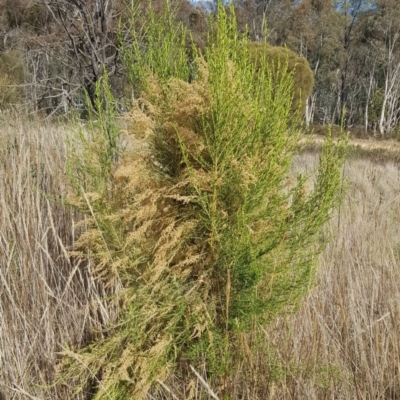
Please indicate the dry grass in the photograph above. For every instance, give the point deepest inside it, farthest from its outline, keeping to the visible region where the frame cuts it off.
(344, 341)
(342, 344)
(46, 298)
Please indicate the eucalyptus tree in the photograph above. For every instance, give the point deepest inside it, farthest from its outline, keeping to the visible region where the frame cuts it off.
(386, 44)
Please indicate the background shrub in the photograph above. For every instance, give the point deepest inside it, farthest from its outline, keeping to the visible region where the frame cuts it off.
(278, 57)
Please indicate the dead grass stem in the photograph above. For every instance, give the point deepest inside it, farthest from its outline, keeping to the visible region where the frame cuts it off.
(47, 299)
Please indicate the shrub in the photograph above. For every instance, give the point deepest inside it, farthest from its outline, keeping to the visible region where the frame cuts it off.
(303, 77)
(11, 75)
(200, 222)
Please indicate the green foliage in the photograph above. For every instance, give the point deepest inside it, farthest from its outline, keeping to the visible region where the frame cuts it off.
(200, 223)
(94, 147)
(375, 107)
(158, 48)
(303, 77)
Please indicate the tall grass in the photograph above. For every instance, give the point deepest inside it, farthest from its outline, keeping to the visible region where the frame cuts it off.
(47, 299)
(346, 338)
(343, 343)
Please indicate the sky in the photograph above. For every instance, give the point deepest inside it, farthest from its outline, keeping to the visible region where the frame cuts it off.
(207, 4)
(349, 5)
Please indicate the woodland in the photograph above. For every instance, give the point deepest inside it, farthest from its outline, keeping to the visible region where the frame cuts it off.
(170, 229)
(51, 50)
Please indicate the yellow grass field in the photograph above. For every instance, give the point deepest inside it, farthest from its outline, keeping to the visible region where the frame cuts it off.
(343, 343)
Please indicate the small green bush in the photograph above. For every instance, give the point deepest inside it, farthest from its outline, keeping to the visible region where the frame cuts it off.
(278, 57)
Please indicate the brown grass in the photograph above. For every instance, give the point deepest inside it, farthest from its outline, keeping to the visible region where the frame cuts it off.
(343, 343)
(47, 299)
